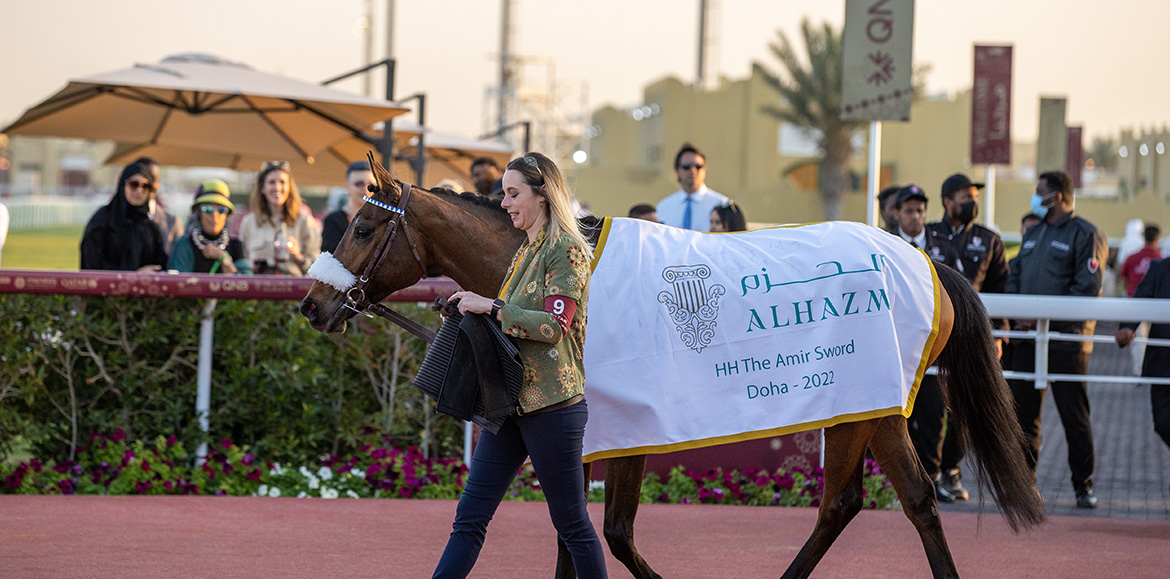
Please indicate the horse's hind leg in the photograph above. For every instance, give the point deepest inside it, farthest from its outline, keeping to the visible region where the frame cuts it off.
(841, 500)
(894, 452)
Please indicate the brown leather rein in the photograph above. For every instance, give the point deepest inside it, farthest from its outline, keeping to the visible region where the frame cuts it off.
(355, 297)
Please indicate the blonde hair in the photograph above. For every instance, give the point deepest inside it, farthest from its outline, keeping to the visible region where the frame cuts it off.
(292, 206)
(542, 174)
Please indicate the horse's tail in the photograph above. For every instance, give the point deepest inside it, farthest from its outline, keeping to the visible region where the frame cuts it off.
(983, 409)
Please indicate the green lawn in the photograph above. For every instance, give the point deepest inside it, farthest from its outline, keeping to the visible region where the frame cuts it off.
(49, 248)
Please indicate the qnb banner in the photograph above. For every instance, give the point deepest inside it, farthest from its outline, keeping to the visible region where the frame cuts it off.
(877, 79)
(991, 106)
(697, 339)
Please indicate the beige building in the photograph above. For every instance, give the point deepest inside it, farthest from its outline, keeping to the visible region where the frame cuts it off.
(770, 168)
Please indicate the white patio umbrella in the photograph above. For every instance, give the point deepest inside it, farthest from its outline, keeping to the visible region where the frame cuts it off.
(205, 103)
(447, 157)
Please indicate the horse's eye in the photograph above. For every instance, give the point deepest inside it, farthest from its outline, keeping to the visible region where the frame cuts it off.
(362, 232)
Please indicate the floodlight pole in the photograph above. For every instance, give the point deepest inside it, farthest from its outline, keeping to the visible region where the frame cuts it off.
(420, 158)
(386, 145)
(527, 125)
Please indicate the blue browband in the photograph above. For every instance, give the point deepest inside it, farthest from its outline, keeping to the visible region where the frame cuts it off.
(385, 206)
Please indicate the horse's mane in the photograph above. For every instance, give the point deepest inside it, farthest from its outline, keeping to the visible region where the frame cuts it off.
(589, 224)
(468, 197)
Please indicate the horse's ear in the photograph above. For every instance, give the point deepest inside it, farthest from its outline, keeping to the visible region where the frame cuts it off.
(382, 176)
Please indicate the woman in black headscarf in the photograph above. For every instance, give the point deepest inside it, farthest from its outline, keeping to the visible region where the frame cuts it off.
(121, 235)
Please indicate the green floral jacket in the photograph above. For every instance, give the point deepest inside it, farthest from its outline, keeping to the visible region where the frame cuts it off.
(553, 362)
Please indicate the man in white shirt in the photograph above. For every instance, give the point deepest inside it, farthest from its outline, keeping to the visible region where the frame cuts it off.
(691, 206)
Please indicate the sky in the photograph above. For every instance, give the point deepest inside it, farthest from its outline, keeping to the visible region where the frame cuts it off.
(1108, 59)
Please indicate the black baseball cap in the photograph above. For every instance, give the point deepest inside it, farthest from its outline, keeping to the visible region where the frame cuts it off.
(957, 182)
(910, 192)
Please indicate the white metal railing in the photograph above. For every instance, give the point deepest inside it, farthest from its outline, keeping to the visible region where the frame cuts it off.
(38, 212)
(1044, 309)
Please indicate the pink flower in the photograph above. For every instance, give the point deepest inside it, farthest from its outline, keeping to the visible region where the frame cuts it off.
(248, 459)
(146, 465)
(254, 475)
(171, 440)
(142, 487)
(119, 435)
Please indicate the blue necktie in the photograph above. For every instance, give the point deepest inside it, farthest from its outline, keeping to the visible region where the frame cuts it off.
(687, 214)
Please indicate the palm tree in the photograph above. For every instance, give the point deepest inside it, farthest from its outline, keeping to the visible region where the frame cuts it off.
(812, 93)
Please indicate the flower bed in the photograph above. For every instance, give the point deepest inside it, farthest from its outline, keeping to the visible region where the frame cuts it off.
(112, 465)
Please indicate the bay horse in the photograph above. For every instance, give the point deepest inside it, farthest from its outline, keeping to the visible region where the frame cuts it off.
(470, 239)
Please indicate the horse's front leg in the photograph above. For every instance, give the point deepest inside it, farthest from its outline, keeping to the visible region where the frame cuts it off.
(623, 492)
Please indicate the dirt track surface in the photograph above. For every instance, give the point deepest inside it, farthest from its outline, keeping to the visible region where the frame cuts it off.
(130, 537)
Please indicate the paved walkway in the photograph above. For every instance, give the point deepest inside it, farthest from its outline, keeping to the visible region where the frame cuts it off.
(1133, 464)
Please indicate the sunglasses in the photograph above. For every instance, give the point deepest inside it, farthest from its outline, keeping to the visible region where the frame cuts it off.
(688, 166)
(210, 209)
(270, 165)
(135, 184)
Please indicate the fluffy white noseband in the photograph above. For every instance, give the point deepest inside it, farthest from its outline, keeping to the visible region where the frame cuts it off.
(327, 269)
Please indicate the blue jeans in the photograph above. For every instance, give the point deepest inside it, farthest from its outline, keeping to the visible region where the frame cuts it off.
(553, 440)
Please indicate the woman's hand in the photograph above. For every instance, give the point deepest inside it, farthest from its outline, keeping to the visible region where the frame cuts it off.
(212, 251)
(472, 302)
(294, 250)
(149, 268)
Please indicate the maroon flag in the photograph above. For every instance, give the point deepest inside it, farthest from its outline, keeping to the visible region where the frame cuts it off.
(1074, 155)
(991, 106)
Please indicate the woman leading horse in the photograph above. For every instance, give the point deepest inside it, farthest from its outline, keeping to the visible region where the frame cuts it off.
(472, 240)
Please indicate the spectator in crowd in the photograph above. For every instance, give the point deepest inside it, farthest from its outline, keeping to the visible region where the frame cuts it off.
(206, 247)
(549, 325)
(926, 420)
(485, 173)
(887, 200)
(167, 223)
(1131, 274)
(1137, 264)
(358, 177)
(1026, 223)
(280, 235)
(690, 206)
(121, 236)
(1155, 284)
(644, 211)
(981, 260)
(727, 218)
(1063, 255)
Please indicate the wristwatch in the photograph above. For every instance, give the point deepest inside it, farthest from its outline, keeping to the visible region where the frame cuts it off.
(496, 305)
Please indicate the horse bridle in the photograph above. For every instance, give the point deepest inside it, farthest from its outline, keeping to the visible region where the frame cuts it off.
(355, 297)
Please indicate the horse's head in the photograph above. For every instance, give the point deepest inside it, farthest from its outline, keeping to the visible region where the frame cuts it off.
(377, 256)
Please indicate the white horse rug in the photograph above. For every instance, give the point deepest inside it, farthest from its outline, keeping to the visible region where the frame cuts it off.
(697, 339)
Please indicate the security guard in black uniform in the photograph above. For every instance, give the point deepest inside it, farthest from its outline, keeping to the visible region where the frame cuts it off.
(926, 420)
(1063, 255)
(981, 260)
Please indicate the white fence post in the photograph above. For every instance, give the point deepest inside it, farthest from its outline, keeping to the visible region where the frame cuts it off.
(203, 378)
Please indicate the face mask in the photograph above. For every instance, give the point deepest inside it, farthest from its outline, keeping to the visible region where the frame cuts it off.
(1038, 207)
(967, 212)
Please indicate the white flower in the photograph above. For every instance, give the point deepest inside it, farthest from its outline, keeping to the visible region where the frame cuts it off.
(263, 490)
(328, 493)
(355, 471)
(596, 484)
(276, 469)
(351, 494)
(275, 492)
(552, 354)
(325, 473)
(305, 472)
(302, 495)
(314, 482)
